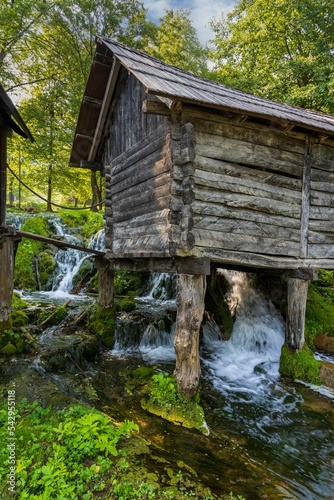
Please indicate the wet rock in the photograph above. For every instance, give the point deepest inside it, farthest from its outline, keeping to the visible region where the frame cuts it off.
(324, 344)
(327, 374)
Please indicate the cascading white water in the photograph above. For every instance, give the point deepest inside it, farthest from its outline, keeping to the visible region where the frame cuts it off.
(157, 344)
(253, 351)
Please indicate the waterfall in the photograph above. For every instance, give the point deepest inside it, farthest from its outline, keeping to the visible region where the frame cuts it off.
(252, 354)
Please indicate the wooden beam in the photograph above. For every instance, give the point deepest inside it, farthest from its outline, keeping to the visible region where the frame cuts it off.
(105, 282)
(155, 108)
(92, 165)
(3, 174)
(84, 137)
(306, 197)
(179, 265)
(57, 243)
(301, 273)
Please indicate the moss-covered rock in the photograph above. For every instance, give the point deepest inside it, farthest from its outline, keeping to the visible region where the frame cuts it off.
(19, 318)
(127, 304)
(53, 315)
(12, 342)
(102, 324)
(324, 344)
(18, 303)
(165, 401)
(9, 349)
(300, 365)
(128, 281)
(47, 265)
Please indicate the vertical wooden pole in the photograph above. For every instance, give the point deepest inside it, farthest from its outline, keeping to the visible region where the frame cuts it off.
(190, 310)
(6, 277)
(295, 322)
(105, 282)
(3, 175)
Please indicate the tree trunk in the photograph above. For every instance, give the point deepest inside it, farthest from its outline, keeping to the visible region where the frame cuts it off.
(190, 310)
(295, 321)
(49, 196)
(105, 282)
(94, 191)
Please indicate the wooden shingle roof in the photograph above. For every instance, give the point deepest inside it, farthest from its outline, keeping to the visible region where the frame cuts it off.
(9, 116)
(163, 80)
(173, 84)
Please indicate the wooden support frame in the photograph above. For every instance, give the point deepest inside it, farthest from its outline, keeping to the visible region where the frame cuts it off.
(105, 282)
(295, 321)
(3, 174)
(178, 265)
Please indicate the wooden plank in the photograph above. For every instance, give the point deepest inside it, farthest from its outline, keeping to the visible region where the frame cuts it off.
(142, 245)
(250, 132)
(321, 199)
(146, 219)
(155, 108)
(57, 243)
(325, 187)
(321, 213)
(321, 252)
(254, 203)
(218, 210)
(250, 259)
(120, 232)
(245, 186)
(243, 172)
(321, 225)
(216, 239)
(321, 176)
(306, 194)
(179, 265)
(326, 238)
(246, 227)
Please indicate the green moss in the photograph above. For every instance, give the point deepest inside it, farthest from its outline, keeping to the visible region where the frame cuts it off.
(18, 303)
(319, 312)
(127, 281)
(325, 278)
(89, 222)
(9, 349)
(47, 265)
(127, 304)
(102, 324)
(166, 402)
(60, 313)
(19, 318)
(300, 365)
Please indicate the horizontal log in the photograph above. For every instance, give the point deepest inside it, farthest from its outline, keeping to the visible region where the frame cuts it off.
(321, 225)
(159, 217)
(250, 259)
(317, 237)
(321, 252)
(300, 273)
(216, 239)
(250, 228)
(321, 199)
(218, 210)
(141, 172)
(155, 108)
(123, 214)
(191, 112)
(57, 243)
(243, 172)
(321, 213)
(249, 147)
(120, 232)
(143, 243)
(248, 202)
(153, 142)
(254, 134)
(142, 194)
(248, 186)
(321, 176)
(179, 265)
(326, 187)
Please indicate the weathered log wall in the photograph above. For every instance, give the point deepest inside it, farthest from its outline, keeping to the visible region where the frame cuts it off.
(321, 217)
(138, 178)
(248, 190)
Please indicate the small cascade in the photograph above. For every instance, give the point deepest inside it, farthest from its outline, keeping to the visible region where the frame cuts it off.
(158, 344)
(253, 351)
(98, 240)
(163, 286)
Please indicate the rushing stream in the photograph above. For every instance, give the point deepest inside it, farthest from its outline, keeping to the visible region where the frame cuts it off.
(269, 438)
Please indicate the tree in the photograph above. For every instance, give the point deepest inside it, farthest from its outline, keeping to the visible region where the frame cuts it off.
(278, 49)
(176, 42)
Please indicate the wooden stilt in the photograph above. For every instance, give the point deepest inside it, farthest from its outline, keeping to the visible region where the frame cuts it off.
(7, 244)
(105, 282)
(295, 322)
(190, 310)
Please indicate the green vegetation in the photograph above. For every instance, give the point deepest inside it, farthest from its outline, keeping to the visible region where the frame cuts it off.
(56, 315)
(319, 312)
(32, 261)
(102, 324)
(11, 342)
(165, 401)
(300, 365)
(18, 303)
(88, 222)
(80, 453)
(128, 281)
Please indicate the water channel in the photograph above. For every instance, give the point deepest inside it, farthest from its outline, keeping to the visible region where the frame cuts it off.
(268, 438)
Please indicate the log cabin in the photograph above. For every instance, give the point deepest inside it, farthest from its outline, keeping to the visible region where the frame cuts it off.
(199, 175)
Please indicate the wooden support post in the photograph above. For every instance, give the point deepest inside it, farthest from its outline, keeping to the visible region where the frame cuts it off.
(295, 321)
(7, 245)
(3, 174)
(190, 310)
(105, 282)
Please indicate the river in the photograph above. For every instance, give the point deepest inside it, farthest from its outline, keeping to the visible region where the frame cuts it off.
(269, 438)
